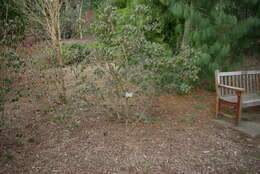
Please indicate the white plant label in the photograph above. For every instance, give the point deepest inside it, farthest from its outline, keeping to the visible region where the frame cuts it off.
(129, 94)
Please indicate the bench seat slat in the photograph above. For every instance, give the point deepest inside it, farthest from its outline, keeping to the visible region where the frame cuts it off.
(248, 100)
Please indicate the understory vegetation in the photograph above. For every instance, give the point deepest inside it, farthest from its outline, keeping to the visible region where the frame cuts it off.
(142, 47)
(10, 67)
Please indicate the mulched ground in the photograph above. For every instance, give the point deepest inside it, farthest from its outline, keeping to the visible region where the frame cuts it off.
(184, 140)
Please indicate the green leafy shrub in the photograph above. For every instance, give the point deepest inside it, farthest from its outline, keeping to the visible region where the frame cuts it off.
(75, 54)
(179, 72)
(118, 3)
(118, 79)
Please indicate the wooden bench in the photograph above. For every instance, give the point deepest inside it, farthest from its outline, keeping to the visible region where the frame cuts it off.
(239, 89)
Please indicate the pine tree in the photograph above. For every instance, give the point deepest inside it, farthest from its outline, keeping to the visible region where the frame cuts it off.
(218, 29)
(222, 30)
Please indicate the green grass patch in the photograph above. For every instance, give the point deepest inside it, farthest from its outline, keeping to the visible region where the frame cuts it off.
(140, 118)
(73, 125)
(61, 117)
(8, 156)
(156, 118)
(195, 148)
(49, 109)
(18, 135)
(148, 164)
(185, 120)
(198, 107)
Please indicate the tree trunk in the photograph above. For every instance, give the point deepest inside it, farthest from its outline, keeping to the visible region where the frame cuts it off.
(56, 44)
(187, 30)
(47, 14)
(63, 96)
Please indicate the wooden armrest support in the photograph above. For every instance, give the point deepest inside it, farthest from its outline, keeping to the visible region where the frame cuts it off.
(232, 88)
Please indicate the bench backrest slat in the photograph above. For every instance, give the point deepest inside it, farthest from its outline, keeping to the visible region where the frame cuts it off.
(238, 73)
(249, 80)
(257, 82)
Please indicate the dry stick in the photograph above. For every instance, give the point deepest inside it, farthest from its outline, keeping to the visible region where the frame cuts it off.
(126, 61)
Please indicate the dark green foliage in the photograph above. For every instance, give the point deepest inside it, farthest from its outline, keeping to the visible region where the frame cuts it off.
(8, 156)
(119, 3)
(139, 37)
(222, 31)
(12, 22)
(76, 53)
(248, 9)
(178, 72)
(10, 60)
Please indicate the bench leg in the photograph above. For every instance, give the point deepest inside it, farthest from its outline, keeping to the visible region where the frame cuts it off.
(217, 107)
(239, 108)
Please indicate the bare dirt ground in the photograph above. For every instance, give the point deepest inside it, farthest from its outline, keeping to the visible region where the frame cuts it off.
(77, 139)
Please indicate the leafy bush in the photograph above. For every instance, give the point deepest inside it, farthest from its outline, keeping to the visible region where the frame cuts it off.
(75, 54)
(179, 72)
(170, 72)
(118, 78)
(10, 61)
(118, 3)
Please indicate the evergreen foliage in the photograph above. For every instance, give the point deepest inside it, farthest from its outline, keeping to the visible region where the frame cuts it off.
(218, 29)
(12, 22)
(222, 31)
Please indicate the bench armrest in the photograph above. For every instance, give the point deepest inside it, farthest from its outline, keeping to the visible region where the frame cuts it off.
(232, 88)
